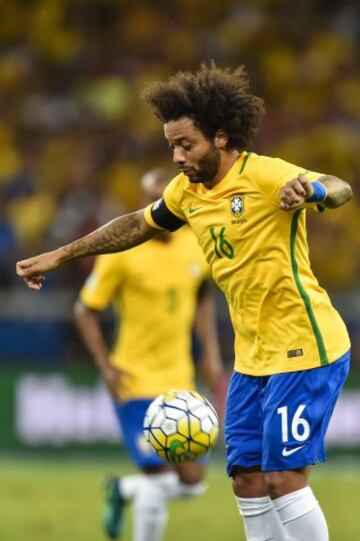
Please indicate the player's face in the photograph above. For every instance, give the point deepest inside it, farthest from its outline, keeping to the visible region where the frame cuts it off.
(196, 156)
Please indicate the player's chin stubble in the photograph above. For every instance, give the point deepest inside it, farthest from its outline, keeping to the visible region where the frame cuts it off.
(207, 167)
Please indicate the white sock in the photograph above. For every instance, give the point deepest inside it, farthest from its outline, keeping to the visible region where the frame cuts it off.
(129, 484)
(261, 521)
(302, 516)
(150, 509)
(150, 494)
(169, 481)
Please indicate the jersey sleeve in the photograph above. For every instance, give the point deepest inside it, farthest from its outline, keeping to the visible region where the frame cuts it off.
(272, 173)
(166, 213)
(101, 285)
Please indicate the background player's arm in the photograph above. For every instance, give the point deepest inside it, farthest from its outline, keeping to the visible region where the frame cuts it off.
(211, 368)
(116, 236)
(88, 323)
(298, 191)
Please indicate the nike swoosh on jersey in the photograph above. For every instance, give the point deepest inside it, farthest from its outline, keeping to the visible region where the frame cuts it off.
(191, 210)
(288, 452)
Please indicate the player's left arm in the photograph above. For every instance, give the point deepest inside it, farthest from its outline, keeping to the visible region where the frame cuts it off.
(327, 191)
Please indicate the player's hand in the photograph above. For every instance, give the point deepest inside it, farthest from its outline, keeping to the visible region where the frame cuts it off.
(211, 370)
(33, 269)
(112, 376)
(295, 192)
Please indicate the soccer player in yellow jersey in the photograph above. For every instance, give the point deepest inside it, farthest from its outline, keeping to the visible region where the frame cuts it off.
(163, 286)
(291, 346)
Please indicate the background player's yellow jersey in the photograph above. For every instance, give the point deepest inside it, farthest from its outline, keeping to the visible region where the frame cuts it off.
(153, 288)
(258, 253)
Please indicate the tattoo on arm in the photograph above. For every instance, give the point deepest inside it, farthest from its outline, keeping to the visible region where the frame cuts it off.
(116, 236)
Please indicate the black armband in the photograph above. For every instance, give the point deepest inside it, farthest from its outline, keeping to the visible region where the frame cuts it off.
(164, 218)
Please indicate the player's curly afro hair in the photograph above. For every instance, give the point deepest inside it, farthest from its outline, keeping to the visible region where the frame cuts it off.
(214, 98)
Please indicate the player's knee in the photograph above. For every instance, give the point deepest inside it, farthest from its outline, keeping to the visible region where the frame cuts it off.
(280, 483)
(275, 482)
(249, 484)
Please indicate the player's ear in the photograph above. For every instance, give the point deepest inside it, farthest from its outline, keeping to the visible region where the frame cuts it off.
(221, 139)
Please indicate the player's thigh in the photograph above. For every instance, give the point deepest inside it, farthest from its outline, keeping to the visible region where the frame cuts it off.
(130, 416)
(243, 422)
(297, 408)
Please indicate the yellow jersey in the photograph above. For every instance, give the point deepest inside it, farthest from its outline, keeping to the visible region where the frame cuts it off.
(258, 254)
(153, 289)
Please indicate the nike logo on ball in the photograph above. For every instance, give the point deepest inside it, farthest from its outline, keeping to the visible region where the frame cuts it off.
(288, 452)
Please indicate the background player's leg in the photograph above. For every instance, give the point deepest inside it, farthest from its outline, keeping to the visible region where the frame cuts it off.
(159, 482)
(150, 500)
(151, 493)
(185, 481)
(191, 480)
(150, 490)
(261, 520)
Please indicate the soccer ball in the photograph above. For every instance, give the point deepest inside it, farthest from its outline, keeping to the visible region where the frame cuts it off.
(181, 426)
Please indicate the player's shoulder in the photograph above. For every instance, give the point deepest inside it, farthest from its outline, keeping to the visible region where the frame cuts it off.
(262, 161)
(269, 171)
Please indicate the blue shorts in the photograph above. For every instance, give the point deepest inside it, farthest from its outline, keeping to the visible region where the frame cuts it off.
(279, 422)
(130, 416)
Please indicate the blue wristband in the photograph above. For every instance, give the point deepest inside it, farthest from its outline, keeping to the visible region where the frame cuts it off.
(320, 193)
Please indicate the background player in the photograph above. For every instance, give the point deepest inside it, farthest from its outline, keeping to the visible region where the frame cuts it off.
(159, 286)
(291, 346)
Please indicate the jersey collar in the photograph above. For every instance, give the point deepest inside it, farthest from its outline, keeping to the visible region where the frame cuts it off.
(234, 170)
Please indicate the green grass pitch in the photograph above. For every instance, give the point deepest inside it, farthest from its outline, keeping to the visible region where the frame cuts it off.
(57, 499)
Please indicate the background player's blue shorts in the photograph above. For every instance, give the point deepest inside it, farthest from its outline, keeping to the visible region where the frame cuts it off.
(279, 422)
(131, 417)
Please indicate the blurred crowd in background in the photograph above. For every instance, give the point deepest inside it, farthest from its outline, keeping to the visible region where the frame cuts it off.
(75, 137)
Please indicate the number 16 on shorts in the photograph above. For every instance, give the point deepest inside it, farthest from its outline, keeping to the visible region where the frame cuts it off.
(297, 427)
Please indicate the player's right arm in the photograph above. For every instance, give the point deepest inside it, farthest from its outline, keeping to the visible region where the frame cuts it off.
(116, 236)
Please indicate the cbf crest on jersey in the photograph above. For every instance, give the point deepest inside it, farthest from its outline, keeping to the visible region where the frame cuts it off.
(237, 204)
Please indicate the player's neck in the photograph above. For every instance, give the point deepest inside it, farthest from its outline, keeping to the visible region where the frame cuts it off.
(227, 160)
